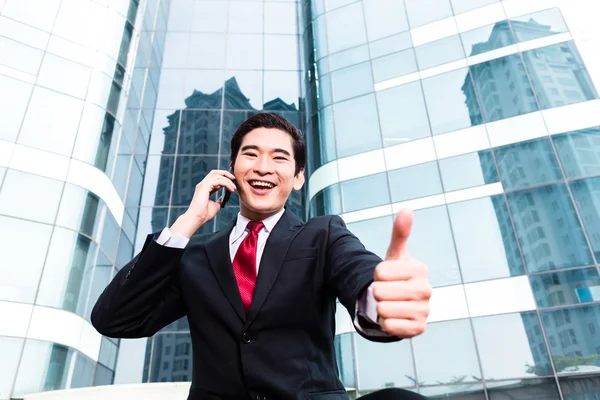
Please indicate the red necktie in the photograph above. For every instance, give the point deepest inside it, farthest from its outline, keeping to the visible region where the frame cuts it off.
(244, 263)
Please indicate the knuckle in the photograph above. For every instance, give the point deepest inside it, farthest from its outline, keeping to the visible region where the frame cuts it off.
(382, 310)
(380, 272)
(377, 291)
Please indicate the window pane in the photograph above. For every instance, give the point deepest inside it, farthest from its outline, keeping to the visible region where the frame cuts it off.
(80, 210)
(511, 346)
(157, 181)
(374, 233)
(358, 194)
(281, 52)
(503, 88)
(346, 28)
(102, 274)
(414, 182)
(394, 65)
(487, 38)
(165, 367)
(539, 24)
(402, 114)
(19, 56)
(110, 234)
(421, 12)
(391, 44)
(231, 121)
(207, 50)
(384, 18)
(585, 193)
(461, 6)
(327, 202)
(569, 80)
(64, 76)
(578, 152)
(108, 353)
(208, 16)
(176, 50)
(44, 366)
(345, 358)
(10, 348)
(356, 126)
(40, 14)
(199, 132)
(468, 170)
(170, 90)
(189, 171)
(21, 196)
(280, 18)
(56, 115)
(348, 57)
(243, 90)
(281, 86)
(526, 164)
(384, 364)
(574, 338)
(492, 244)
(352, 81)
(451, 101)
(548, 229)
(151, 220)
(103, 376)
(568, 287)
(432, 226)
(439, 52)
(13, 103)
(69, 257)
(83, 372)
(580, 387)
(245, 17)
(526, 389)
(244, 51)
(437, 362)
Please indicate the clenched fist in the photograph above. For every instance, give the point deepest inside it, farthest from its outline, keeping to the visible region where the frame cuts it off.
(401, 285)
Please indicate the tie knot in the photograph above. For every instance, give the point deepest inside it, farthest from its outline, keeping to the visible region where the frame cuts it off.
(255, 226)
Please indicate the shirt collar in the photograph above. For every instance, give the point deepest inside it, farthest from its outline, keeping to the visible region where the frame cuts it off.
(242, 222)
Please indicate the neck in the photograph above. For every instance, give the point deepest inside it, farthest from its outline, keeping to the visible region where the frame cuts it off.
(256, 216)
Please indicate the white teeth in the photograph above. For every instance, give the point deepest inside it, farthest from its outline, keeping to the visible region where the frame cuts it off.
(263, 184)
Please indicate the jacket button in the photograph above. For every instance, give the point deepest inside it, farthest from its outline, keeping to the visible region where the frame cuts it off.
(246, 338)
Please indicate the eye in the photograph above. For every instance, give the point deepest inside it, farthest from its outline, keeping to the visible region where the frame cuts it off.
(250, 154)
(280, 158)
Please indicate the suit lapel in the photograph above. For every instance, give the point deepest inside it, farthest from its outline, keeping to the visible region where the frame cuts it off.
(217, 251)
(272, 259)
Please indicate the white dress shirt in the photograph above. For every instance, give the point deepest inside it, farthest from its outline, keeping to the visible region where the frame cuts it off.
(366, 305)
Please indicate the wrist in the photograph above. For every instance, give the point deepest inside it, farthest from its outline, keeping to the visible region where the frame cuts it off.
(186, 225)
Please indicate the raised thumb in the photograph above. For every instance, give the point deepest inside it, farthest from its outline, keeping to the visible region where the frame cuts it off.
(400, 234)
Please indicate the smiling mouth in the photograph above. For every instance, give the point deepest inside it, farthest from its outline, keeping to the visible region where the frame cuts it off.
(261, 186)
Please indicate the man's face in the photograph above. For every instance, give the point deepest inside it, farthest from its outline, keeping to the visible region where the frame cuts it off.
(264, 172)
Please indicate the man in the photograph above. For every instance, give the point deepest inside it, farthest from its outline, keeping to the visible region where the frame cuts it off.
(260, 294)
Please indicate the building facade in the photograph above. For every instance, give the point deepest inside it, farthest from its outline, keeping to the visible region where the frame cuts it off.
(481, 115)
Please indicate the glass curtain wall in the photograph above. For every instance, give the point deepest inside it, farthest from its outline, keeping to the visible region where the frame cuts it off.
(477, 116)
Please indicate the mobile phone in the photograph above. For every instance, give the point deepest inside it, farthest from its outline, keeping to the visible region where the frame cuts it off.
(224, 194)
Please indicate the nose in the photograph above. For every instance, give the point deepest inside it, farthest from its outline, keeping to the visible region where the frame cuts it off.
(263, 166)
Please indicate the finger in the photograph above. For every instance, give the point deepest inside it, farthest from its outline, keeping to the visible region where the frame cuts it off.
(400, 234)
(222, 172)
(413, 310)
(402, 290)
(400, 270)
(402, 328)
(218, 181)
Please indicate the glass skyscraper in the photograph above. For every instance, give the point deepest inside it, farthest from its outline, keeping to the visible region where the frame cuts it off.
(483, 116)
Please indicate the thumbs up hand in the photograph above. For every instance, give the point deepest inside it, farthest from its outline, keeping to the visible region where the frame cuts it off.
(401, 285)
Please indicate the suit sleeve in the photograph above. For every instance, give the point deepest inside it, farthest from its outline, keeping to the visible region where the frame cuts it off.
(350, 269)
(144, 296)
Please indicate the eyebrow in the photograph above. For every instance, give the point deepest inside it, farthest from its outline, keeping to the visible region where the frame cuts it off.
(276, 150)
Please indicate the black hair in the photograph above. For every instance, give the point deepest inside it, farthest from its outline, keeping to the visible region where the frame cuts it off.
(271, 120)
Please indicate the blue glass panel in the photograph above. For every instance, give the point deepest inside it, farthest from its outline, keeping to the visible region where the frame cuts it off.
(548, 229)
(349, 57)
(539, 24)
(370, 191)
(468, 170)
(421, 12)
(414, 182)
(487, 38)
(461, 6)
(352, 81)
(559, 76)
(523, 389)
(391, 44)
(439, 52)
(503, 88)
(579, 152)
(511, 346)
(402, 114)
(346, 28)
(394, 65)
(586, 193)
(199, 132)
(327, 202)
(580, 387)
(528, 163)
(493, 243)
(451, 101)
(324, 91)
(574, 337)
(384, 18)
(356, 126)
(568, 287)
(345, 358)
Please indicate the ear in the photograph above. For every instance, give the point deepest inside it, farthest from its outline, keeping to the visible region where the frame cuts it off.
(299, 180)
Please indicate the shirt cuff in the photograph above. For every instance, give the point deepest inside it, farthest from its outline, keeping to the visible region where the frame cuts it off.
(175, 240)
(365, 319)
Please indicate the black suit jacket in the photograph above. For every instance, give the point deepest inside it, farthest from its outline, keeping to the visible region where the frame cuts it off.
(283, 347)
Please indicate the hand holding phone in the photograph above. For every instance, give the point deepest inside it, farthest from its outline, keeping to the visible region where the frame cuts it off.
(224, 193)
